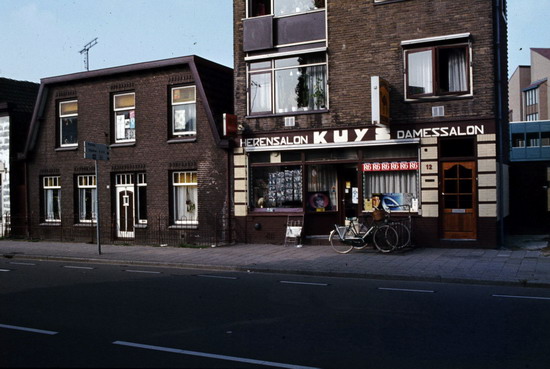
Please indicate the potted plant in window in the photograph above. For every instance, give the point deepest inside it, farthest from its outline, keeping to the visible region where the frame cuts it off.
(190, 206)
(302, 91)
(319, 94)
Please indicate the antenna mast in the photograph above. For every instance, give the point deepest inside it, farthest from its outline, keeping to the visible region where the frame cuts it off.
(84, 51)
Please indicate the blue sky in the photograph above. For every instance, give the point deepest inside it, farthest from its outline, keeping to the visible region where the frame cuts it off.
(42, 38)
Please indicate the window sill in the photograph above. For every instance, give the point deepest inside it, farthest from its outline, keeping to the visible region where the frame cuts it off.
(90, 224)
(184, 226)
(50, 224)
(182, 139)
(67, 148)
(140, 226)
(123, 144)
(438, 98)
(286, 114)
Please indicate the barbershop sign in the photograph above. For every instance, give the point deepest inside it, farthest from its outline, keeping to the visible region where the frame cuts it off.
(338, 136)
(470, 130)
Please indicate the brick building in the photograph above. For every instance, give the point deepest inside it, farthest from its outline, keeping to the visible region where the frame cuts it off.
(17, 100)
(166, 178)
(344, 103)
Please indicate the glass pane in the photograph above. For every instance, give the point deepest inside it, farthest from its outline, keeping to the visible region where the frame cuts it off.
(286, 7)
(464, 172)
(322, 181)
(125, 125)
(452, 172)
(260, 65)
(465, 201)
(420, 75)
(70, 107)
(465, 186)
(518, 140)
(451, 186)
(184, 118)
(183, 95)
(125, 101)
(69, 133)
(300, 89)
(260, 92)
(452, 69)
(533, 139)
(451, 201)
(545, 138)
(259, 8)
(142, 203)
(278, 186)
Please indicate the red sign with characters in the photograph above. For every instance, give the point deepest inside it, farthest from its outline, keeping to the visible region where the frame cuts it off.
(390, 166)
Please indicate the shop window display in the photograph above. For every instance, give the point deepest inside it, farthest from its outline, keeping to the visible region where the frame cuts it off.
(276, 187)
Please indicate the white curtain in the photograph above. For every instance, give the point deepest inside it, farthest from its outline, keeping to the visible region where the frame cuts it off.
(457, 70)
(391, 182)
(185, 203)
(420, 74)
(260, 92)
(323, 178)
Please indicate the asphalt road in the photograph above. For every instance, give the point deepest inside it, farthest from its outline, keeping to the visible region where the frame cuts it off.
(56, 314)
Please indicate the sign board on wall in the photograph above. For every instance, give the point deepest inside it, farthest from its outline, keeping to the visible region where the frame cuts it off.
(380, 101)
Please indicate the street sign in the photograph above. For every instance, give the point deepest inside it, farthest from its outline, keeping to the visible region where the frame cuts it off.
(96, 151)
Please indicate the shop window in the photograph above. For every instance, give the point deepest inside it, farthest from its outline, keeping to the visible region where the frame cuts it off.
(288, 85)
(283, 7)
(437, 71)
(276, 187)
(125, 117)
(185, 198)
(51, 209)
(518, 140)
(322, 183)
(392, 186)
(184, 111)
(87, 207)
(68, 123)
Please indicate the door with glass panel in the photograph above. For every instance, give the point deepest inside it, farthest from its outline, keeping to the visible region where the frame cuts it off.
(458, 193)
(125, 202)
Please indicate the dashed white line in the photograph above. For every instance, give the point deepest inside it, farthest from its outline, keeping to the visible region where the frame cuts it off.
(141, 271)
(5, 270)
(41, 331)
(20, 263)
(523, 297)
(212, 356)
(77, 267)
(305, 283)
(405, 290)
(215, 276)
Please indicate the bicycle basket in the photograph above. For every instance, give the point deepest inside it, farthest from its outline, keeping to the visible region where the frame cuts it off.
(378, 215)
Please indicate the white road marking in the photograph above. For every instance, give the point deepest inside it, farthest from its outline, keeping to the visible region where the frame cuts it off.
(523, 297)
(212, 356)
(5, 270)
(21, 263)
(215, 276)
(405, 290)
(77, 267)
(305, 283)
(41, 331)
(141, 271)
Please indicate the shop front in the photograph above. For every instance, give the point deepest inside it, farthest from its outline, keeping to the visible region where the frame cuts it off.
(325, 177)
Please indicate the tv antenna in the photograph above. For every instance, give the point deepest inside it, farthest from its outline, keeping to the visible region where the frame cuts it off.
(84, 51)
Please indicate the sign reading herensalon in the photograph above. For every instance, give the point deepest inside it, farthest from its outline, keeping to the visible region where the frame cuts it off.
(391, 166)
(315, 137)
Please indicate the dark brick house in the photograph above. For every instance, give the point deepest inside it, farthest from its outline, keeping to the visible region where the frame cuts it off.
(167, 175)
(17, 100)
(344, 103)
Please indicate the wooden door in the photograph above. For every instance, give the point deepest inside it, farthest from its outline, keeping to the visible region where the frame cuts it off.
(459, 200)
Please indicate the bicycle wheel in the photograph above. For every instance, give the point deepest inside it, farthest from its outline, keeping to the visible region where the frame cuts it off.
(385, 238)
(403, 234)
(337, 244)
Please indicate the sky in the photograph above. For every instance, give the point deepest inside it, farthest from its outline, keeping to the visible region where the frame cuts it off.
(43, 38)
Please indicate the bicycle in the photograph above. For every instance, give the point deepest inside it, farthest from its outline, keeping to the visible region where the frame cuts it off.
(345, 238)
(402, 227)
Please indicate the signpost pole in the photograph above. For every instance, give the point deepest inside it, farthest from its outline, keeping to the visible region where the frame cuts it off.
(97, 208)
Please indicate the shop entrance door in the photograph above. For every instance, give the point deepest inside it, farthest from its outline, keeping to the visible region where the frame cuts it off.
(348, 192)
(459, 216)
(125, 211)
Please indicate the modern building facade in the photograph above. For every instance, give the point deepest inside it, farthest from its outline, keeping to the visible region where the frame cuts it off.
(343, 104)
(17, 100)
(159, 123)
(529, 99)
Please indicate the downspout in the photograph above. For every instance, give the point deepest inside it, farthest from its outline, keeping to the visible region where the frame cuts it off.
(500, 122)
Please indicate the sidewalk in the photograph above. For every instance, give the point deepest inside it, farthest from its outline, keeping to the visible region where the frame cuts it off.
(523, 266)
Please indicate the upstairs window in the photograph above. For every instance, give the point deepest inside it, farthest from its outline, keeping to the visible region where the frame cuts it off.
(532, 97)
(437, 71)
(68, 123)
(184, 111)
(258, 8)
(288, 85)
(125, 117)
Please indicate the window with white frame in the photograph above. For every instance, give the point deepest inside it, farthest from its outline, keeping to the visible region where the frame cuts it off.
(51, 187)
(518, 140)
(287, 85)
(124, 106)
(532, 117)
(185, 206)
(531, 97)
(68, 123)
(87, 207)
(434, 71)
(257, 8)
(141, 207)
(184, 111)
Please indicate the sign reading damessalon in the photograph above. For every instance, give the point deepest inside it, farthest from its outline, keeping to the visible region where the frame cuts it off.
(470, 130)
(390, 166)
(315, 137)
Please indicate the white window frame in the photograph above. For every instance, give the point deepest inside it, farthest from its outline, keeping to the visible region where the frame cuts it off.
(85, 182)
(116, 113)
(51, 183)
(177, 184)
(174, 104)
(64, 116)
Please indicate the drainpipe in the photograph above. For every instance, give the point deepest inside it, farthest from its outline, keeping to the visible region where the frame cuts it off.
(500, 123)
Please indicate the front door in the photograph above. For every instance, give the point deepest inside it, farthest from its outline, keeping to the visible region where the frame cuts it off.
(348, 192)
(125, 211)
(459, 216)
